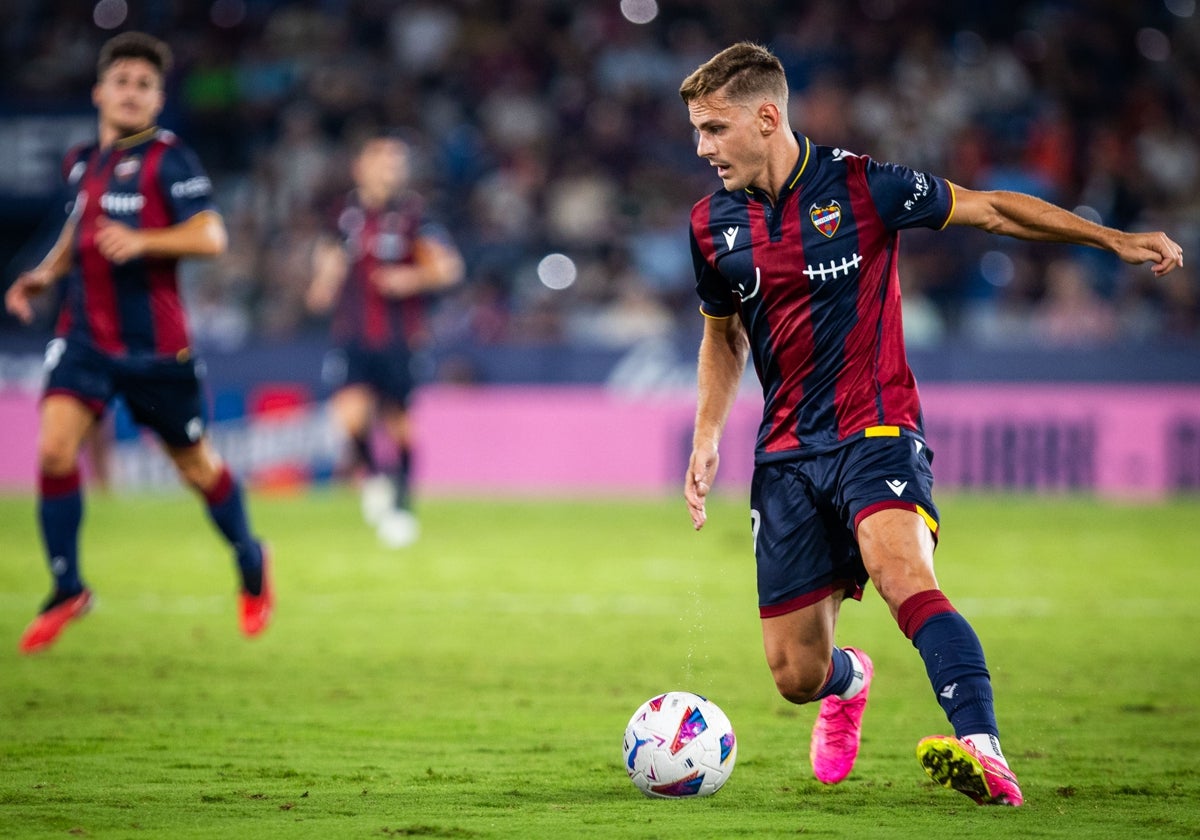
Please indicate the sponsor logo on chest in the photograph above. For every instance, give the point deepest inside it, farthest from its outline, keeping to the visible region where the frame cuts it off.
(122, 204)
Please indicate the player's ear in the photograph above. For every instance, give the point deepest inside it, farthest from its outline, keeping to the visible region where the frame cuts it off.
(769, 118)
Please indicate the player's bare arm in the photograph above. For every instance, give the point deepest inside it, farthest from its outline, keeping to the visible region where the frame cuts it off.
(202, 235)
(436, 266)
(723, 353)
(18, 300)
(330, 269)
(1027, 217)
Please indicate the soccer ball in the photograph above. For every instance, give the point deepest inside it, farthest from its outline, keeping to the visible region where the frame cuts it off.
(679, 744)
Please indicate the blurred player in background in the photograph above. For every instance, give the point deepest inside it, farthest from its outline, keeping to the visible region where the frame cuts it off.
(795, 262)
(380, 259)
(140, 202)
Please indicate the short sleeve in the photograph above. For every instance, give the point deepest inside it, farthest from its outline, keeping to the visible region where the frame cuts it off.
(716, 295)
(906, 198)
(184, 183)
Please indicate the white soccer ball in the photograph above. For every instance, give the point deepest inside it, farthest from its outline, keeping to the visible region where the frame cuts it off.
(679, 744)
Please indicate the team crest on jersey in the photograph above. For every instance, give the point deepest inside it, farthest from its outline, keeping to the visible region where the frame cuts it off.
(128, 167)
(826, 218)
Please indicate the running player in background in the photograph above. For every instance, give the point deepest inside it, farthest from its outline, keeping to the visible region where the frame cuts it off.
(379, 261)
(795, 263)
(141, 201)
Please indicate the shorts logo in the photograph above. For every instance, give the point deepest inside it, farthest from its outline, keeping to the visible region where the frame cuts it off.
(54, 353)
(897, 486)
(826, 218)
(194, 429)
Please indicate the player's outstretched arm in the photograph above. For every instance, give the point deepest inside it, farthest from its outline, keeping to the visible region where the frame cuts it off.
(723, 353)
(1027, 217)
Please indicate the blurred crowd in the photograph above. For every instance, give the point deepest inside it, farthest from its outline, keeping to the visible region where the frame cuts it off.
(554, 126)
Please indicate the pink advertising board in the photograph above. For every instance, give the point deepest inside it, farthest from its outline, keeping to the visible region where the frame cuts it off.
(1114, 440)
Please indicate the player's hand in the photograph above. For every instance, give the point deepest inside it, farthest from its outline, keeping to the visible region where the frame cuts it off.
(1156, 248)
(18, 300)
(118, 243)
(397, 281)
(702, 470)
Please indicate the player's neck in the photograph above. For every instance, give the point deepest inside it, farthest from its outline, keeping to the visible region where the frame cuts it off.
(373, 199)
(781, 161)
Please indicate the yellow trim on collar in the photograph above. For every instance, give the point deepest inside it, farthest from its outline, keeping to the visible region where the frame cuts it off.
(803, 166)
(133, 139)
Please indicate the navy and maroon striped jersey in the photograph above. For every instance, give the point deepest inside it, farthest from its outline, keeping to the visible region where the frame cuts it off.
(813, 277)
(150, 180)
(373, 238)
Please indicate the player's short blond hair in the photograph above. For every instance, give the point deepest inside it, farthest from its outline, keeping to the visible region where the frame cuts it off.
(741, 72)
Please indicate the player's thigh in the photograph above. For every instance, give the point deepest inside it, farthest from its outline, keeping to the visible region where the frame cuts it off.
(886, 472)
(392, 375)
(803, 551)
(79, 384)
(166, 397)
(897, 550)
(886, 495)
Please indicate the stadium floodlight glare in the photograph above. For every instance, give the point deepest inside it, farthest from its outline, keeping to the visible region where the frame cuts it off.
(639, 11)
(109, 14)
(556, 271)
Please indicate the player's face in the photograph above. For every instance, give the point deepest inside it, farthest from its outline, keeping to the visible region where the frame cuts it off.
(129, 96)
(728, 136)
(382, 166)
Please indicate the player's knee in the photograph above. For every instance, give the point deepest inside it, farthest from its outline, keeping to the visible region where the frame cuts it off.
(799, 682)
(197, 468)
(197, 476)
(56, 457)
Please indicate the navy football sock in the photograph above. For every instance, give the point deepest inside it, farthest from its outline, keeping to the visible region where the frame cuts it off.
(60, 513)
(954, 661)
(228, 513)
(361, 445)
(401, 477)
(841, 674)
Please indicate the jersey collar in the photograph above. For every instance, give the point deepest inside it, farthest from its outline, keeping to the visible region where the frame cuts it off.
(793, 179)
(135, 139)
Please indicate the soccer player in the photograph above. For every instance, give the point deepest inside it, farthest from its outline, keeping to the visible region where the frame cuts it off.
(140, 203)
(375, 267)
(795, 263)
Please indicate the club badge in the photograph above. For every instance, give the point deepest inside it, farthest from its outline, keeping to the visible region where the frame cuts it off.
(128, 167)
(826, 218)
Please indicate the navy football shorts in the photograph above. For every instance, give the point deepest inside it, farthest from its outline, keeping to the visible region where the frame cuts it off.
(805, 513)
(162, 393)
(387, 371)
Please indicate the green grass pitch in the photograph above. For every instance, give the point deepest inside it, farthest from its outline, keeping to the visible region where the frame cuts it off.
(478, 684)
